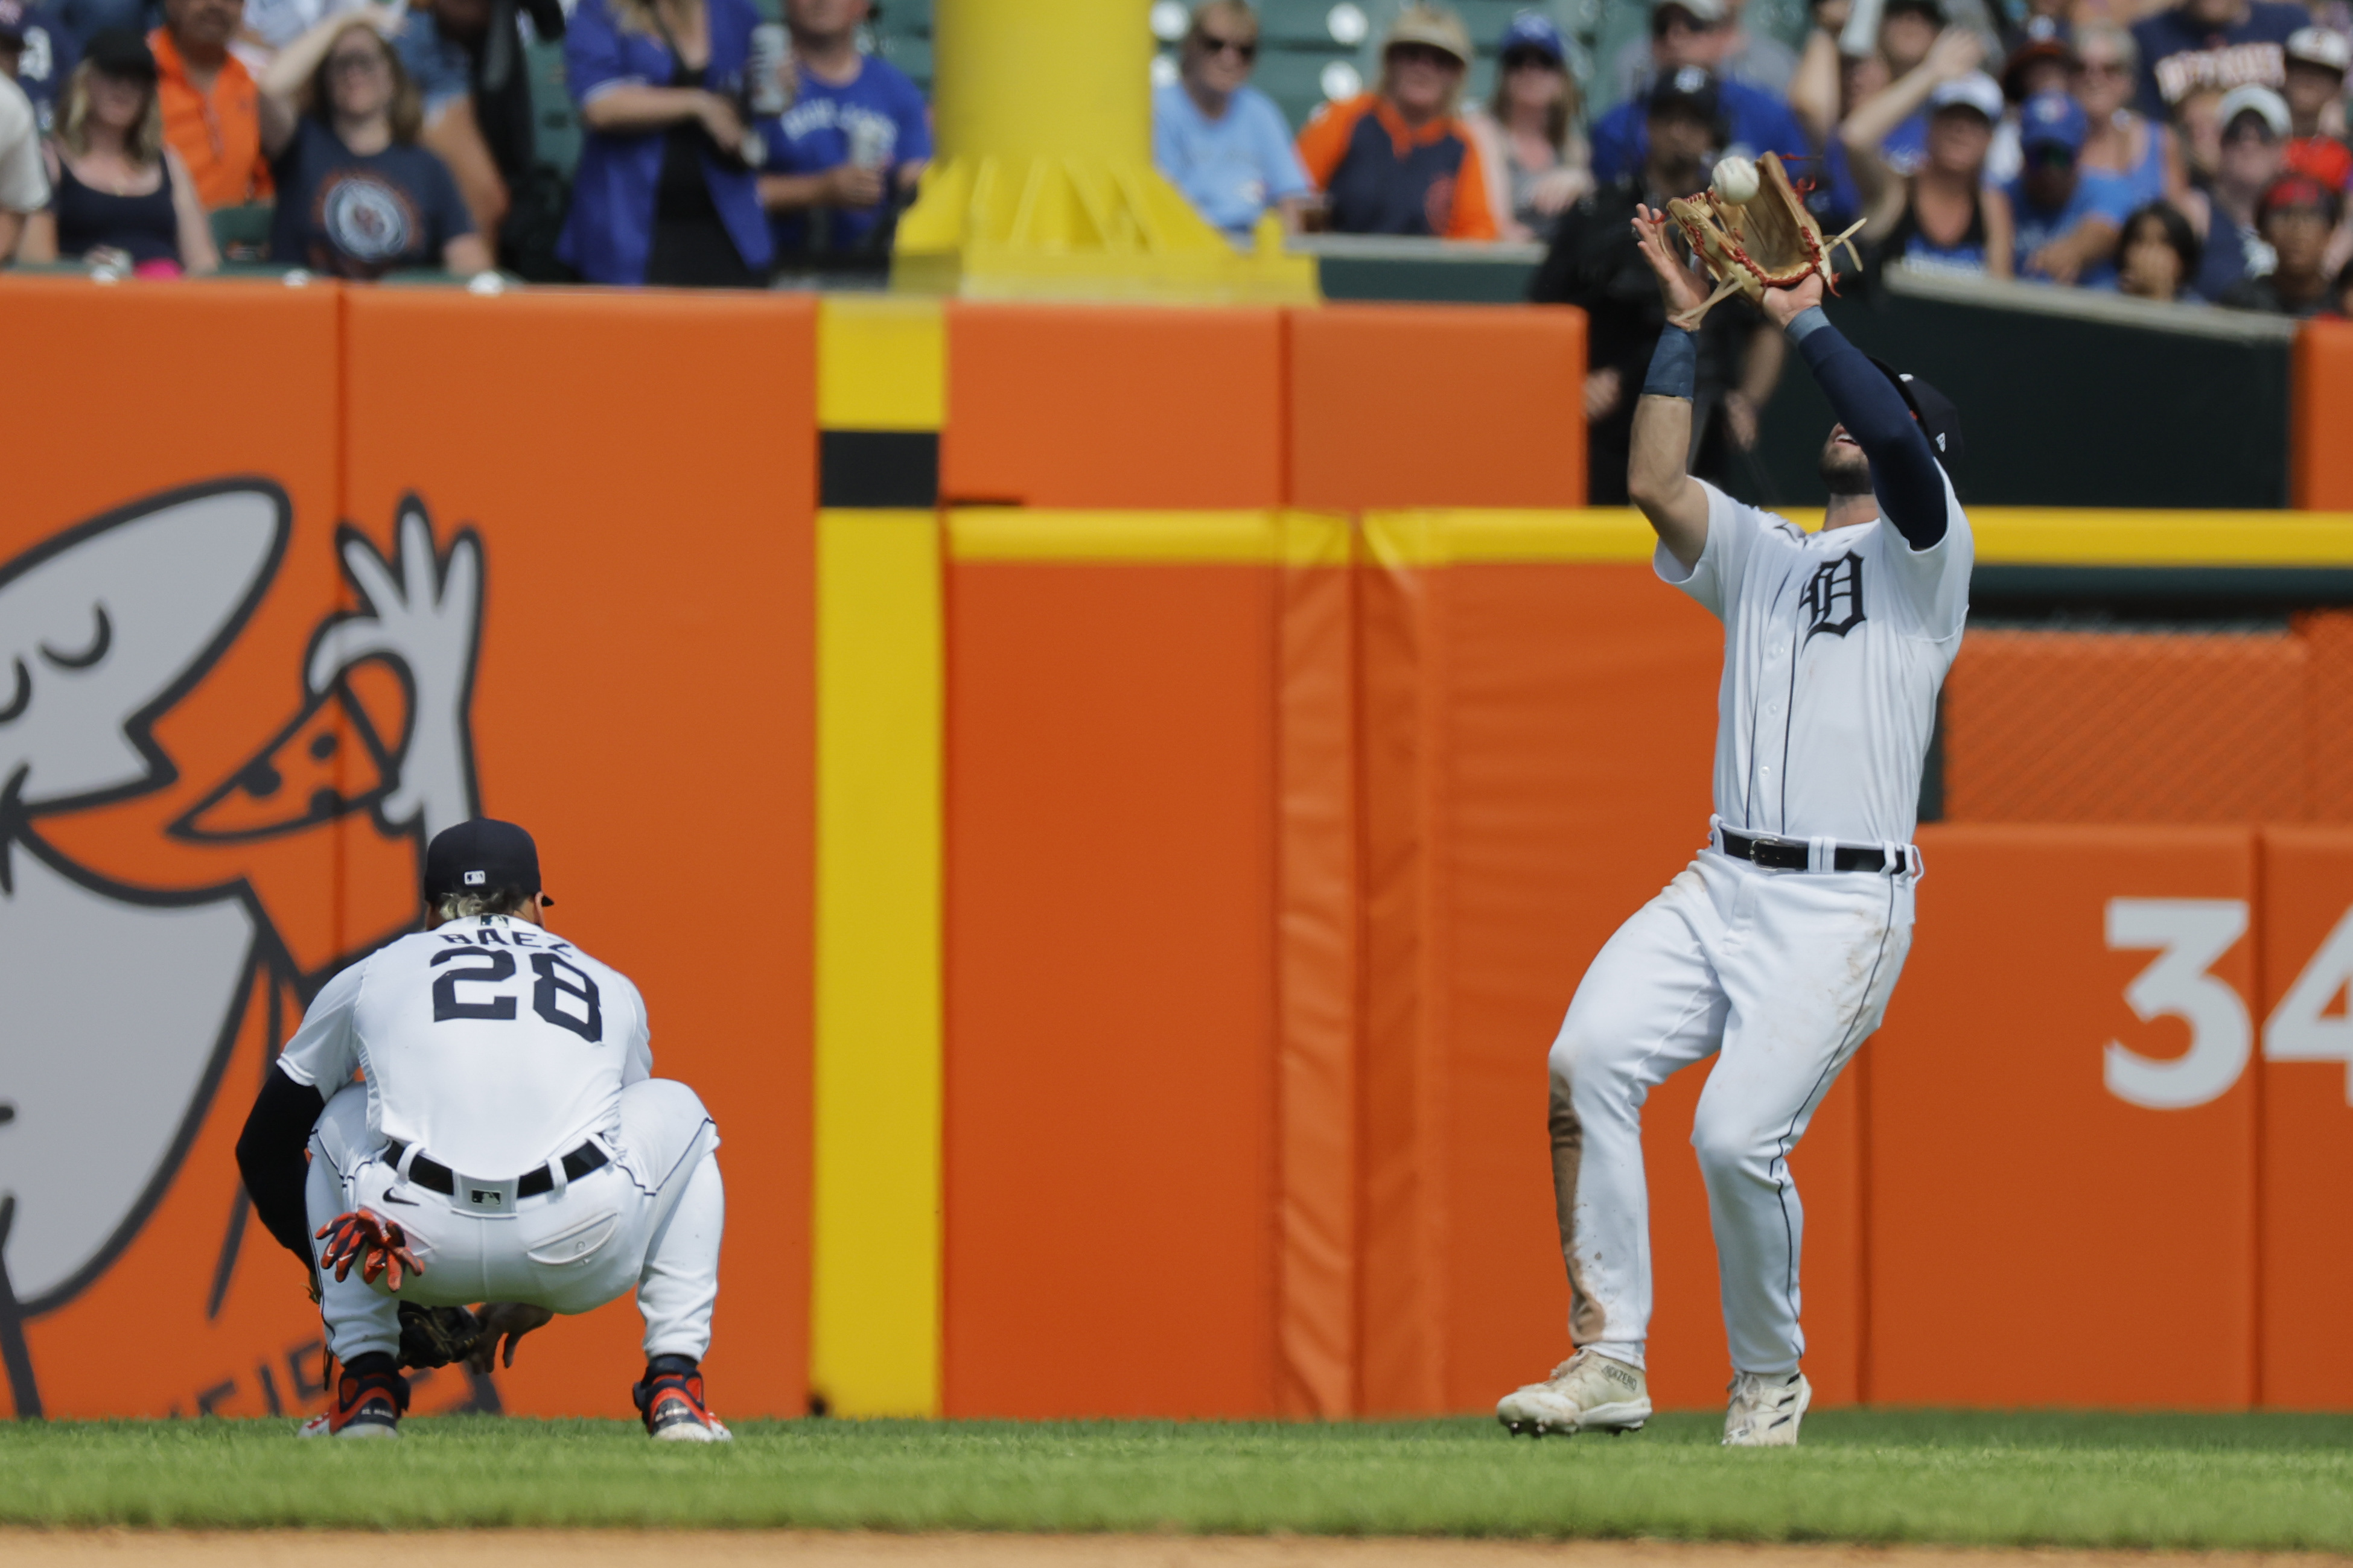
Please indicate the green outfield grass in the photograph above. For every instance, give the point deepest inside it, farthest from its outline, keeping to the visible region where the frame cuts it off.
(2265, 1481)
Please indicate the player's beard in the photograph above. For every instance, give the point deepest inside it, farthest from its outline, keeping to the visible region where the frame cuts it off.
(1845, 470)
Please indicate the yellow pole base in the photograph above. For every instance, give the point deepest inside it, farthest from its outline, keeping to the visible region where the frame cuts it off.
(991, 227)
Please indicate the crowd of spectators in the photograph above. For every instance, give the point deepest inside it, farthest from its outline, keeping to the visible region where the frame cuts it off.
(2165, 149)
(359, 140)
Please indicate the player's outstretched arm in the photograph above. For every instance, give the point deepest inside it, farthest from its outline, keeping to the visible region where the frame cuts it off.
(1658, 476)
(1904, 469)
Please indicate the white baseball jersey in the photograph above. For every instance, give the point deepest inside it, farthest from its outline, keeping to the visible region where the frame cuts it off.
(1834, 646)
(491, 1043)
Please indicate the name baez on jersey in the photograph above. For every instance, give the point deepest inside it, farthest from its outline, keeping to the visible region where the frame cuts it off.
(489, 1042)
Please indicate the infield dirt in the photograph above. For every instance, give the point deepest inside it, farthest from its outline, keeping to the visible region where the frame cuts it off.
(856, 1549)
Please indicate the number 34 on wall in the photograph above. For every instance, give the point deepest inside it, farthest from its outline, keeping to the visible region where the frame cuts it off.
(2188, 935)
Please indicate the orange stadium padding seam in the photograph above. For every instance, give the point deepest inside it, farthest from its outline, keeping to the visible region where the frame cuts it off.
(2323, 398)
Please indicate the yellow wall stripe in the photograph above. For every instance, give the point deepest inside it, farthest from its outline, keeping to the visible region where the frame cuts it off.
(881, 362)
(1236, 538)
(875, 1313)
(2006, 536)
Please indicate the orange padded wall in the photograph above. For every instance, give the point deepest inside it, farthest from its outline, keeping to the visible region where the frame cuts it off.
(2307, 1128)
(1405, 405)
(1108, 406)
(2035, 1240)
(2323, 458)
(1111, 1138)
(195, 1307)
(1526, 791)
(643, 701)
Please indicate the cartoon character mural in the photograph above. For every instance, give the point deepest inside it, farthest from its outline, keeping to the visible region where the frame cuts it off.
(146, 943)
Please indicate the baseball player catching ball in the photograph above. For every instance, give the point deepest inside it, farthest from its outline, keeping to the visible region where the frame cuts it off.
(1775, 950)
(509, 1145)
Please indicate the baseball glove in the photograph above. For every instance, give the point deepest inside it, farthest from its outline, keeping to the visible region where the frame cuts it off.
(1770, 241)
(436, 1336)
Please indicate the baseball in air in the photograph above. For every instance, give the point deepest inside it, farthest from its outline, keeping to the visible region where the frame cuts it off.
(1735, 181)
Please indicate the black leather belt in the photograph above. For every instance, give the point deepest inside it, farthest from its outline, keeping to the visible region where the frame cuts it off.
(1792, 854)
(435, 1177)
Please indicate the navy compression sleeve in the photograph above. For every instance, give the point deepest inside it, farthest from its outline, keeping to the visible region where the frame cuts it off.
(269, 1157)
(1903, 471)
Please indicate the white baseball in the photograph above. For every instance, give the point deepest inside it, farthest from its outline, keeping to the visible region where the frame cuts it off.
(1735, 181)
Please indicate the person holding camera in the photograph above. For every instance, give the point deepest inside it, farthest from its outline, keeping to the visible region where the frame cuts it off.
(667, 191)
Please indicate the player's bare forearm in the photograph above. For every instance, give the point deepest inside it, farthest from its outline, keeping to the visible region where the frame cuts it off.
(1658, 478)
(1658, 474)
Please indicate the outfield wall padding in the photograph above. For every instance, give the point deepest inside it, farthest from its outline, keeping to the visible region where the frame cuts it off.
(1250, 854)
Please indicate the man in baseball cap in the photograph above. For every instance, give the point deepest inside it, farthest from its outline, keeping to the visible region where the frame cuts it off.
(2316, 62)
(24, 183)
(2253, 123)
(2069, 217)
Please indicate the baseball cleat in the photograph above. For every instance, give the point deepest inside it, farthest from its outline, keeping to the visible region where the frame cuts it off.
(671, 1403)
(367, 1405)
(1764, 1410)
(1589, 1392)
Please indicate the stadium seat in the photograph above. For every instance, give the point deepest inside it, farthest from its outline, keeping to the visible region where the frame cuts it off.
(1294, 78)
(242, 232)
(900, 33)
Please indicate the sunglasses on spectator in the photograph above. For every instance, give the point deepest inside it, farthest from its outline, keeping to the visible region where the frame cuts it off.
(1244, 50)
(1526, 59)
(355, 65)
(1422, 54)
(2051, 157)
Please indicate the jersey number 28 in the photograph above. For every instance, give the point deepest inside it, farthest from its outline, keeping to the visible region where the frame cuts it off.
(563, 994)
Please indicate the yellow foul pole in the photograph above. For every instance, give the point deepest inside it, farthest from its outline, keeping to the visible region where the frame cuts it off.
(1044, 186)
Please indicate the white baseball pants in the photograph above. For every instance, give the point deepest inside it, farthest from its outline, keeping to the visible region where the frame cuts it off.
(649, 1218)
(1783, 973)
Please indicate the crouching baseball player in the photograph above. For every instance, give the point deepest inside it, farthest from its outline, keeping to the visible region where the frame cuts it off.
(1775, 951)
(509, 1145)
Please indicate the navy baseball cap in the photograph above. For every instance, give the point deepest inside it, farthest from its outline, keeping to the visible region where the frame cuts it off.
(479, 856)
(1534, 31)
(1686, 87)
(120, 53)
(2053, 120)
(1939, 420)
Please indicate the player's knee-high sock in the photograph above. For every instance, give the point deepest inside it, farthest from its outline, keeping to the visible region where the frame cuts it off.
(680, 1282)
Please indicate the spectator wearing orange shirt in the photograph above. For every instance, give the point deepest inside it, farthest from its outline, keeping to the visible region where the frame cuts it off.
(212, 109)
(1398, 160)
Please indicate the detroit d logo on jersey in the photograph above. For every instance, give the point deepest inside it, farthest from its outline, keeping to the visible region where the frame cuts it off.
(1833, 596)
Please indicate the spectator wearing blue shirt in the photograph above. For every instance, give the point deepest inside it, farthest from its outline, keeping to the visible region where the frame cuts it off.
(358, 197)
(1909, 32)
(2224, 44)
(666, 191)
(2069, 217)
(847, 155)
(1219, 140)
(48, 47)
(1891, 126)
